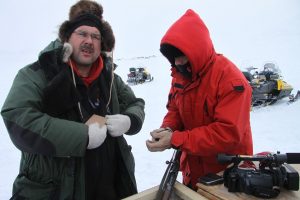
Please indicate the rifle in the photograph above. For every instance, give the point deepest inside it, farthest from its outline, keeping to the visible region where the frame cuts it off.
(169, 178)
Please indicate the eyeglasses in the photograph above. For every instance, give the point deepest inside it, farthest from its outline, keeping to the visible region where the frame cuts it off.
(85, 35)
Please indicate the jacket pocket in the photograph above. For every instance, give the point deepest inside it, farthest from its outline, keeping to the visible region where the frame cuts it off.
(126, 184)
(24, 188)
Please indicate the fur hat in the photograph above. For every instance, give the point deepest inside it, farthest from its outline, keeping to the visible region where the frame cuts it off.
(91, 12)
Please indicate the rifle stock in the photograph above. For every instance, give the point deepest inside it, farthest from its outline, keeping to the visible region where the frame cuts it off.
(169, 178)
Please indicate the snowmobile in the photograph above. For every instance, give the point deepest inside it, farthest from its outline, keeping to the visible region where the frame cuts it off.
(294, 97)
(138, 75)
(267, 84)
(131, 77)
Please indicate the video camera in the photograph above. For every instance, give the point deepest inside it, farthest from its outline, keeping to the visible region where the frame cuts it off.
(274, 172)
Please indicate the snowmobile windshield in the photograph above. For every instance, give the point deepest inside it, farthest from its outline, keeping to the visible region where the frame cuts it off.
(271, 67)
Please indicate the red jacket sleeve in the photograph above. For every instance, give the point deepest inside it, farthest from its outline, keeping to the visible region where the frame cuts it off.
(230, 130)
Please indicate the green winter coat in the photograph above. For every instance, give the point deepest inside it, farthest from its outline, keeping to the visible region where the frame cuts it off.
(42, 118)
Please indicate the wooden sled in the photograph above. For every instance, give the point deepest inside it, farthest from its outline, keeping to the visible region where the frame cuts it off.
(180, 192)
(217, 192)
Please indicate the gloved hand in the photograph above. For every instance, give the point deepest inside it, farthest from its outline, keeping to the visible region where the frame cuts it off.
(161, 139)
(96, 119)
(97, 135)
(117, 124)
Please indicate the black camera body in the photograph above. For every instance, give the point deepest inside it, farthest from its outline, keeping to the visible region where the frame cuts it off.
(264, 182)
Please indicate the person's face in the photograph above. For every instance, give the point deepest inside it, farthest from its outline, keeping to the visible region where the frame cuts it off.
(183, 66)
(181, 60)
(86, 43)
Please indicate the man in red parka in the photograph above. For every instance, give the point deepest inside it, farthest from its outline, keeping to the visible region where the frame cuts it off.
(209, 102)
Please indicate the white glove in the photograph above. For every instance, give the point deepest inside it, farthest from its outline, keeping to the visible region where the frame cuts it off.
(118, 124)
(97, 135)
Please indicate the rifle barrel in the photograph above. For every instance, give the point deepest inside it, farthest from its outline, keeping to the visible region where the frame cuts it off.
(169, 178)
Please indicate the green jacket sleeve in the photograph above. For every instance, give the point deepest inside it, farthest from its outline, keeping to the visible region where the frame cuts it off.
(33, 131)
(130, 105)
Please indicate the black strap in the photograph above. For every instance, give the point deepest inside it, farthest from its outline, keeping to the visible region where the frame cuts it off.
(265, 192)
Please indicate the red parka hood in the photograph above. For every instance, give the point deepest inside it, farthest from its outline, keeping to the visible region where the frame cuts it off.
(190, 35)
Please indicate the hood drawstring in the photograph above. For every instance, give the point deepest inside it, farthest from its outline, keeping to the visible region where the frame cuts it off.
(75, 85)
(110, 87)
(112, 79)
(67, 51)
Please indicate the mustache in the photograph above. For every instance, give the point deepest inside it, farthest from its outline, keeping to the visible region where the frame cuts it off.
(87, 47)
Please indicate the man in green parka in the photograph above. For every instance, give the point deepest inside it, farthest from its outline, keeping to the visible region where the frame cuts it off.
(67, 113)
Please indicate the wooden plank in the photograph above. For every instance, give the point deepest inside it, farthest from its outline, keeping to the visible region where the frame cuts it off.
(220, 192)
(148, 194)
(180, 192)
(186, 193)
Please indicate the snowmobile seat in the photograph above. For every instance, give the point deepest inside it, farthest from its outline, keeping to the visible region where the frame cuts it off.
(274, 76)
(132, 69)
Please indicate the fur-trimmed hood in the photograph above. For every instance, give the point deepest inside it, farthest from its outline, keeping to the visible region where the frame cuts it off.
(59, 75)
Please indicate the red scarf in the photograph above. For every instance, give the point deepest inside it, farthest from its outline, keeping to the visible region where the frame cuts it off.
(94, 73)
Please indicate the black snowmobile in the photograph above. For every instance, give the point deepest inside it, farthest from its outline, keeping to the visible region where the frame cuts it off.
(138, 75)
(267, 85)
(294, 97)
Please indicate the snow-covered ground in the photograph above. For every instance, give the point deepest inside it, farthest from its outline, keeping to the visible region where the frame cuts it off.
(249, 32)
